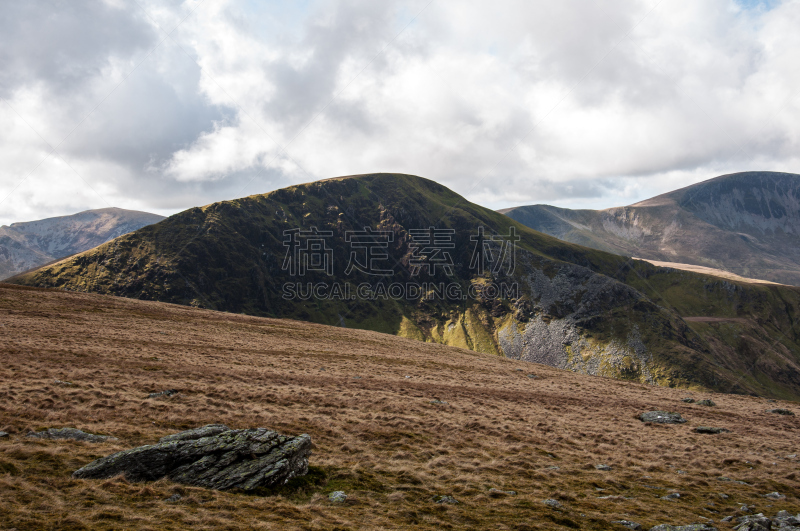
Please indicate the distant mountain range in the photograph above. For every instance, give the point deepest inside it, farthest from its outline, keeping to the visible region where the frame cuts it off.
(574, 308)
(33, 244)
(745, 223)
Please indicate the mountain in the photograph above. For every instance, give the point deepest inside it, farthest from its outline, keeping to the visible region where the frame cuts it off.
(316, 252)
(32, 244)
(745, 223)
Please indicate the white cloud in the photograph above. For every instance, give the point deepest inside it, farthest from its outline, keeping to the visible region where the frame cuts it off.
(573, 103)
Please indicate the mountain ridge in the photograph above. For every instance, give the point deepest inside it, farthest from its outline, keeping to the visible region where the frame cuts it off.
(32, 244)
(746, 223)
(576, 308)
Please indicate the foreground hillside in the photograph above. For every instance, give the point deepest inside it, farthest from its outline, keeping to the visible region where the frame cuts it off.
(33, 244)
(89, 361)
(747, 223)
(572, 307)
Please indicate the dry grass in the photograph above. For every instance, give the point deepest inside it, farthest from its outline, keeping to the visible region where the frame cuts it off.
(377, 434)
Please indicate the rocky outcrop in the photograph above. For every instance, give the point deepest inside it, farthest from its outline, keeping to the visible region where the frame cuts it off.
(214, 456)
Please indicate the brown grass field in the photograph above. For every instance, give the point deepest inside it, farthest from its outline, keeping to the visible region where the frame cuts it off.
(369, 412)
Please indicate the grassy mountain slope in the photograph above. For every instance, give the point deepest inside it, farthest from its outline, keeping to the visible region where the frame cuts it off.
(746, 223)
(32, 244)
(577, 308)
(370, 413)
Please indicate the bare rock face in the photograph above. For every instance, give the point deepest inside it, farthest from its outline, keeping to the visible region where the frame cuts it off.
(213, 456)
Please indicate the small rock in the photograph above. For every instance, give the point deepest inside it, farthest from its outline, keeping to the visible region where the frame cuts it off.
(689, 400)
(723, 496)
(791, 456)
(604, 468)
(438, 402)
(449, 500)
(775, 496)
(627, 523)
(771, 400)
(175, 497)
(70, 433)
(671, 496)
(727, 519)
(3, 434)
(710, 430)
(531, 376)
(496, 493)
(706, 402)
(337, 496)
(553, 503)
(690, 527)
(60, 382)
(168, 392)
(780, 411)
(662, 417)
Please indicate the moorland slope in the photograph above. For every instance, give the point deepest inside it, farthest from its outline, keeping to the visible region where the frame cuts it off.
(395, 422)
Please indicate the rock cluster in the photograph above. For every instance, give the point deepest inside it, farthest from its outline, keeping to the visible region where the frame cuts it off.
(782, 521)
(213, 456)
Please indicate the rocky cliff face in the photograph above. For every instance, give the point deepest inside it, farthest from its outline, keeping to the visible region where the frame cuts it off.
(32, 244)
(746, 223)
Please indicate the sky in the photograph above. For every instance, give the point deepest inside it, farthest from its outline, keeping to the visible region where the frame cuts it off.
(164, 105)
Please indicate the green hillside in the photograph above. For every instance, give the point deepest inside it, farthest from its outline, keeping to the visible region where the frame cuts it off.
(561, 304)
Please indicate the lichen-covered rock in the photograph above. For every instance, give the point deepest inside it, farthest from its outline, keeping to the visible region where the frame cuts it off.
(69, 433)
(662, 417)
(337, 496)
(706, 402)
(213, 456)
(555, 504)
(780, 411)
(757, 522)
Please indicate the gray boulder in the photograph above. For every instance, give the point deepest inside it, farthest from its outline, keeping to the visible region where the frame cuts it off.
(662, 417)
(337, 496)
(71, 434)
(214, 457)
(757, 522)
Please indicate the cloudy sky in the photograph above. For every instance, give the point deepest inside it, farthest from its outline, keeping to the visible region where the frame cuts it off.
(163, 105)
